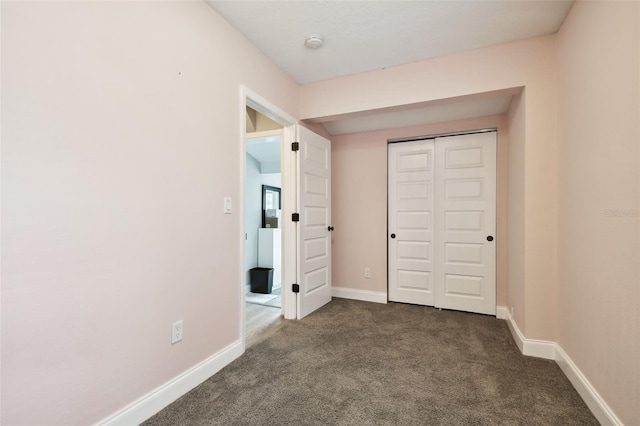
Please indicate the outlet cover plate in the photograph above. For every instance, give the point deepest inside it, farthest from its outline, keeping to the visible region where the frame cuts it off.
(176, 332)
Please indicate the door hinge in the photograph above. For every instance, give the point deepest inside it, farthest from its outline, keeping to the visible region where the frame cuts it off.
(295, 217)
(295, 146)
(295, 288)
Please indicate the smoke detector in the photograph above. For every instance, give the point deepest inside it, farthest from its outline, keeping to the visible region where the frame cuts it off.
(314, 42)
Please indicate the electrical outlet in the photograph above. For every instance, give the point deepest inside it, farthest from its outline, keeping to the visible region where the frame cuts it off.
(367, 272)
(176, 332)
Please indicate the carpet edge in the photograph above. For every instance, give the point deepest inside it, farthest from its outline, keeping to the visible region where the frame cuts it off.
(159, 398)
(585, 389)
(553, 351)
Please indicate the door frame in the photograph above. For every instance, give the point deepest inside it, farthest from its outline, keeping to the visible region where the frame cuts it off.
(249, 98)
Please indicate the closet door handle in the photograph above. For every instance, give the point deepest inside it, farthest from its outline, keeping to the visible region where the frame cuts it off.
(393, 235)
(329, 228)
(489, 238)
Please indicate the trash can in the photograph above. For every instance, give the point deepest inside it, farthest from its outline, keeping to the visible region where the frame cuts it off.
(261, 280)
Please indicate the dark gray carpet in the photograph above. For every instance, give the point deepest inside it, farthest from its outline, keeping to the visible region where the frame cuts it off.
(359, 363)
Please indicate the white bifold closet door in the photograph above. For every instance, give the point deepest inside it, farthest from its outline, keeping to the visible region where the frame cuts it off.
(442, 221)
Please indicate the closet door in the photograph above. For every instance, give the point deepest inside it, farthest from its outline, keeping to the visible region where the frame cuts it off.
(466, 222)
(410, 222)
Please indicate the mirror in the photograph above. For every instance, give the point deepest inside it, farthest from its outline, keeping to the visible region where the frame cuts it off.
(271, 206)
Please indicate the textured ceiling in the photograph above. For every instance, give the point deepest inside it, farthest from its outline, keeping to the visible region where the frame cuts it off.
(367, 35)
(362, 35)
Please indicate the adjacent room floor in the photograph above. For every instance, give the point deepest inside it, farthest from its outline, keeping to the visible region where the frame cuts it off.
(359, 363)
(259, 321)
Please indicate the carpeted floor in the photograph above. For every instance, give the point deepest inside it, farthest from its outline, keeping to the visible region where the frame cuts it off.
(359, 363)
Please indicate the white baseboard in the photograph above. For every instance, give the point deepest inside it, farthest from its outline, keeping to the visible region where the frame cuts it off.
(502, 312)
(153, 402)
(591, 397)
(156, 400)
(531, 347)
(551, 350)
(364, 295)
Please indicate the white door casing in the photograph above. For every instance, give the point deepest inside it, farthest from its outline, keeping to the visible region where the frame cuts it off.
(252, 99)
(314, 237)
(442, 203)
(465, 222)
(411, 220)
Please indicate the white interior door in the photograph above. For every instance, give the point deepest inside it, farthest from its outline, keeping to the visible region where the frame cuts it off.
(442, 221)
(410, 222)
(466, 222)
(314, 237)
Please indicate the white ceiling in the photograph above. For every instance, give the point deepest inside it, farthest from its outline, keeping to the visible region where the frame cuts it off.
(267, 151)
(367, 35)
(363, 35)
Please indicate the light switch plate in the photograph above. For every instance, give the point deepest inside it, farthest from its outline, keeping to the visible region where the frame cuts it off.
(227, 205)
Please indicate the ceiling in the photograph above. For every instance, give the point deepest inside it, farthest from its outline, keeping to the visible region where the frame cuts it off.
(367, 35)
(436, 112)
(362, 36)
(266, 150)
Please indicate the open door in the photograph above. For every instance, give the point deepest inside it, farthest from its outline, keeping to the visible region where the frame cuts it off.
(314, 226)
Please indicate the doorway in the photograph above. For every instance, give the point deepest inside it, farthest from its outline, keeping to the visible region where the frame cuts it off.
(442, 222)
(263, 216)
(305, 200)
(260, 116)
(263, 221)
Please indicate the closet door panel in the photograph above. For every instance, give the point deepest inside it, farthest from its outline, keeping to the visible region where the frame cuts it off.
(465, 223)
(410, 222)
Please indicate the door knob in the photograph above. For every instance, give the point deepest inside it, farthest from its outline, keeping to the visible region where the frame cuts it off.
(393, 235)
(329, 228)
(489, 238)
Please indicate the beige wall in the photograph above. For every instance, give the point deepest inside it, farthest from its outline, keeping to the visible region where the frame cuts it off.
(490, 69)
(573, 186)
(516, 210)
(528, 64)
(599, 139)
(359, 202)
(120, 138)
(541, 204)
